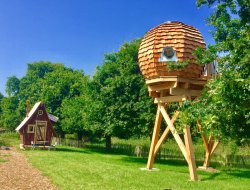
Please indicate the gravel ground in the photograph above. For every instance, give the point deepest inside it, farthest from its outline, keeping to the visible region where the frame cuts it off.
(17, 173)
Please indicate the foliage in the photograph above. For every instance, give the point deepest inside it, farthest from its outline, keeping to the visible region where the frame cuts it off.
(73, 111)
(9, 139)
(12, 86)
(44, 81)
(114, 103)
(223, 109)
(9, 115)
(121, 107)
(177, 65)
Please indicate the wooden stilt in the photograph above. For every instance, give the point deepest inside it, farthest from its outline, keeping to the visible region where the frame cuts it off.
(210, 146)
(190, 154)
(165, 133)
(174, 132)
(165, 90)
(186, 149)
(154, 141)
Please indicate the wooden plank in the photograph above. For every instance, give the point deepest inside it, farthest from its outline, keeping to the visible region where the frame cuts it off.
(154, 94)
(186, 85)
(204, 139)
(174, 132)
(176, 78)
(190, 154)
(157, 80)
(165, 133)
(210, 142)
(209, 151)
(169, 99)
(157, 125)
(216, 143)
(162, 86)
(181, 91)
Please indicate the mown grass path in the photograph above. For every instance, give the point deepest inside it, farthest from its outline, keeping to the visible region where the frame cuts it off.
(73, 168)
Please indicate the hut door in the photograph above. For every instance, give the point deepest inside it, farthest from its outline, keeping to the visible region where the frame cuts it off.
(41, 129)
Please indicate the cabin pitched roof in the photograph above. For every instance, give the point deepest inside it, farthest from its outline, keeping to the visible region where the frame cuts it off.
(31, 113)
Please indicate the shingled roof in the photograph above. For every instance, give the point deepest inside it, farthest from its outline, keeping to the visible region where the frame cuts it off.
(184, 39)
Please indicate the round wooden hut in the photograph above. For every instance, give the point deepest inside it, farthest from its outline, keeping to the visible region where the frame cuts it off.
(170, 42)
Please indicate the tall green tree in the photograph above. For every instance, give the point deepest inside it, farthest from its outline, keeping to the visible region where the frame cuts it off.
(12, 86)
(73, 116)
(224, 107)
(120, 106)
(9, 117)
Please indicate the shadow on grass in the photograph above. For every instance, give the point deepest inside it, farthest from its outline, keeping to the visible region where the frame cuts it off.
(125, 157)
(177, 163)
(239, 173)
(70, 149)
(210, 176)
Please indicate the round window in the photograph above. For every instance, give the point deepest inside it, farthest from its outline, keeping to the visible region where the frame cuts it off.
(168, 52)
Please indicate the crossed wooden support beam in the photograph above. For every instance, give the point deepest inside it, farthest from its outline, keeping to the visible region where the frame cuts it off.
(186, 148)
(210, 146)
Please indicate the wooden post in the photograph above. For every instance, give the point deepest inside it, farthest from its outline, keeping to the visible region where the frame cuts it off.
(190, 154)
(165, 133)
(210, 146)
(165, 90)
(174, 132)
(154, 141)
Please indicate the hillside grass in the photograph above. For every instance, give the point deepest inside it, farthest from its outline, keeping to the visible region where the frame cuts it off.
(9, 139)
(78, 168)
(84, 168)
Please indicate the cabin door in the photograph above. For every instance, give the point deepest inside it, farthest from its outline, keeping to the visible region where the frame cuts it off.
(40, 132)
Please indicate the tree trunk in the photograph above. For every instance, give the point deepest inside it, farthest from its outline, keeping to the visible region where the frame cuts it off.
(79, 136)
(62, 134)
(108, 142)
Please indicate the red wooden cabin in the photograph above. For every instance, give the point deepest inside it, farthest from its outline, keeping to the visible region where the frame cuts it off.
(37, 127)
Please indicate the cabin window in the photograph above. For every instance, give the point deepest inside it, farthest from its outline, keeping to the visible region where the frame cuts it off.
(31, 128)
(40, 112)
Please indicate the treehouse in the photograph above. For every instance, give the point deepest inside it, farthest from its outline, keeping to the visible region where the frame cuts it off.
(169, 67)
(37, 127)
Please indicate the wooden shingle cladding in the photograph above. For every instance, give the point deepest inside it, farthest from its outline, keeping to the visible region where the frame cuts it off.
(37, 116)
(182, 38)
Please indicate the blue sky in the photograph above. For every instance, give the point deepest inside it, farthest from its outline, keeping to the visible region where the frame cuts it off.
(79, 32)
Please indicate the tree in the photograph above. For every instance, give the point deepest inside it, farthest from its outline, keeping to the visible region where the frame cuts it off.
(51, 83)
(121, 106)
(12, 86)
(10, 117)
(1, 96)
(73, 116)
(223, 109)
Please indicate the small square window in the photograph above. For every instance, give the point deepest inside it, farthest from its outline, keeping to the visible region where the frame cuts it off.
(31, 128)
(40, 112)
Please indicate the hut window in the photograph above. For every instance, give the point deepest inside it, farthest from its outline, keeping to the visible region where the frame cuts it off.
(31, 128)
(168, 52)
(40, 112)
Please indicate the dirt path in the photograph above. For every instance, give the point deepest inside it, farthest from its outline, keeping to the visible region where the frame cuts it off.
(17, 173)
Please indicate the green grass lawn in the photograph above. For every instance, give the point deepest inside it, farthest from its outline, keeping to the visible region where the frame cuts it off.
(73, 168)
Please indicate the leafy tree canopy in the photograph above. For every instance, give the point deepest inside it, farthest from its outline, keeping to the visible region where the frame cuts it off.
(223, 108)
(12, 86)
(121, 106)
